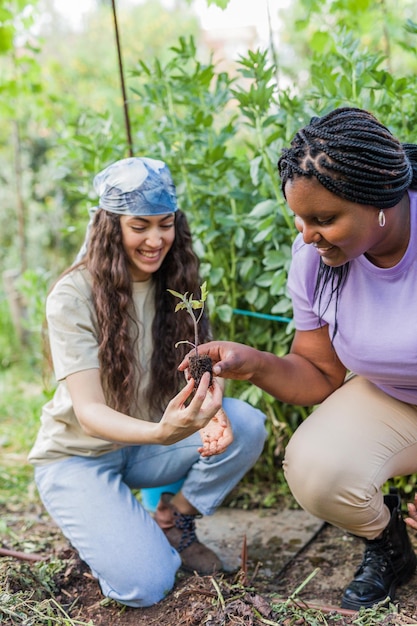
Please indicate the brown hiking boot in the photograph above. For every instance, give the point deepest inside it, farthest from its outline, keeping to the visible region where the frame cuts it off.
(180, 532)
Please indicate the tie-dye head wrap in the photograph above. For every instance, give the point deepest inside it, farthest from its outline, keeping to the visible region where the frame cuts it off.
(133, 186)
(136, 186)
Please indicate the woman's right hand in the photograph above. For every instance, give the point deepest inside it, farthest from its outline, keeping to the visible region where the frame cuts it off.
(308, 374)
(180, 420)
(230, 359)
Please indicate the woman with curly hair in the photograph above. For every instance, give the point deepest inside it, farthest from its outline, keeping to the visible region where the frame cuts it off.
(352, 187)
(122, 417)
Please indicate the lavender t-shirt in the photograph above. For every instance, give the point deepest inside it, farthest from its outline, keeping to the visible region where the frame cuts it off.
(377, 314)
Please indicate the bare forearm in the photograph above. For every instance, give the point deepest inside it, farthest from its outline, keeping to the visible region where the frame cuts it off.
(99, 420)
(292, 379)
(186, 413)
(306, 376)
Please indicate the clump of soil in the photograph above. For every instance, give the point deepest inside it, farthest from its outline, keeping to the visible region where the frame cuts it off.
(199, 364)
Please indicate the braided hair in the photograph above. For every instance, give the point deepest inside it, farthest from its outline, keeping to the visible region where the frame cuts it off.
(355, 157)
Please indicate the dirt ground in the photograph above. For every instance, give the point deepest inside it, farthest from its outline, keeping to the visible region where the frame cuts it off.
(246, 597)
(196, 600)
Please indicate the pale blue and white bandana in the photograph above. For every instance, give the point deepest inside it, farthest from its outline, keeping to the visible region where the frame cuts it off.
(136, 186)
(133, 186)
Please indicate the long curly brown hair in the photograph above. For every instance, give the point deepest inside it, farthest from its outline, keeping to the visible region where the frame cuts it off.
(107, 263)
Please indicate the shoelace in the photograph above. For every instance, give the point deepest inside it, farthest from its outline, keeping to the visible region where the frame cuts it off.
(186, 523)
(376, 555)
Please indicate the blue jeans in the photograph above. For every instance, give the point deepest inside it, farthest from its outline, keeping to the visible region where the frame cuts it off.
(91, 500)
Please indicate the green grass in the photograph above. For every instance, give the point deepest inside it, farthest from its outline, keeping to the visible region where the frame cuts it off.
(21, 399)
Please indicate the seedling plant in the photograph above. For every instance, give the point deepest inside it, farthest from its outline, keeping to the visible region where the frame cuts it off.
(199, 364)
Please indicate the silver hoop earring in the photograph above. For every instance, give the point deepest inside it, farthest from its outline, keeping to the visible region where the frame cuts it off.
(381, 218)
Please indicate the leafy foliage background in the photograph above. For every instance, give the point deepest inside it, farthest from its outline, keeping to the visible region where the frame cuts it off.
(220, 125)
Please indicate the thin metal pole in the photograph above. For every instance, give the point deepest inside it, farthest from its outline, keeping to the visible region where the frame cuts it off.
(122, 82)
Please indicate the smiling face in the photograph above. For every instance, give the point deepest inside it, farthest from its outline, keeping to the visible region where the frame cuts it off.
(340, 230)
(146, 241)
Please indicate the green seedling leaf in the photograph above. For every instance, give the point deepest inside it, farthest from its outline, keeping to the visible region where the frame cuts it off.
(190, 305)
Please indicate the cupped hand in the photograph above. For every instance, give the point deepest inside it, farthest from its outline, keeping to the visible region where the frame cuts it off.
(217, 435)
(182, 419)
(230, 359)
(412, 512)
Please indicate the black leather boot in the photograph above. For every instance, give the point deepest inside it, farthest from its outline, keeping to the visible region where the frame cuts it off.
(388, 562)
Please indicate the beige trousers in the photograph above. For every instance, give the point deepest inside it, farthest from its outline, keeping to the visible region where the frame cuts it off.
(338, 459)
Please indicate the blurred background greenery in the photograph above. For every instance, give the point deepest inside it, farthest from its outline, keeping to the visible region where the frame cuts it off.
(216, 105)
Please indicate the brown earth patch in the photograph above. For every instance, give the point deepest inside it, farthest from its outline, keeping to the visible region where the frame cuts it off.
(324, 566)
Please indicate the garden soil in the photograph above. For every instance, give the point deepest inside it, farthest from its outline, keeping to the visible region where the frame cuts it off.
(271, 558)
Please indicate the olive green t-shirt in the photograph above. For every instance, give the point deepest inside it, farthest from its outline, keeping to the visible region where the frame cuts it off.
(73, 333)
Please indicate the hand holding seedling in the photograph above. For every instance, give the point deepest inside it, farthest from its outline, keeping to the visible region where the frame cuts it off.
(230, 360)
(217, 434)
(182, 418)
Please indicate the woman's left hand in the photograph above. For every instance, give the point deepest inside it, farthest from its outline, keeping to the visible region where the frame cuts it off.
(412, 512)
(217, 435)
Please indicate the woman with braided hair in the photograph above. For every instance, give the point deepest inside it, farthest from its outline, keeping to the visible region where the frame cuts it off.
(122, 417)
(352, 187)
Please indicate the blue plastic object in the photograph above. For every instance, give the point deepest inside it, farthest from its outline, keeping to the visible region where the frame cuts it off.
(151, 495)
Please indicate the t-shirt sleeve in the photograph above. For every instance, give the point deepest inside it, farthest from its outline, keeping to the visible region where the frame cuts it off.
(301, 284)
(72, 328)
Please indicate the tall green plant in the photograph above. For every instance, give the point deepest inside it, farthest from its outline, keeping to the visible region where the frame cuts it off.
(233, 206)
(221, 137)
(193, 127)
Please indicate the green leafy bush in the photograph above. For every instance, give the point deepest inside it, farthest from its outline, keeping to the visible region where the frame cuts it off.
(221, 132)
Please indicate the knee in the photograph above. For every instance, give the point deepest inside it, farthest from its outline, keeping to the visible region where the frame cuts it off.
(248, 426)
(313, 477)
(141, 591)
